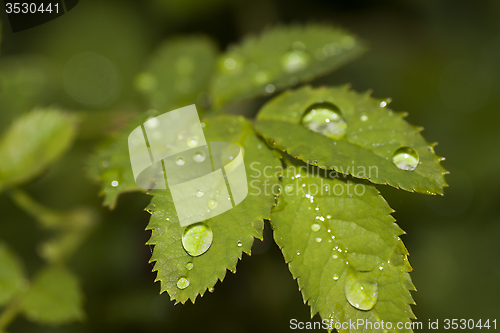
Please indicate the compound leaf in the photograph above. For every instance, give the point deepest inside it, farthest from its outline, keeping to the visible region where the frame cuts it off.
(342, 246)
(32, 143)
(279, 58)
(364, 137)
(11, 274)
(55, 297)
(184, 276)
(178, 73)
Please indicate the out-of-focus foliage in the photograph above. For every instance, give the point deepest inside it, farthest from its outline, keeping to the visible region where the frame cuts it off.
(32, 143)
(11, 274)
(279, 58)
(178, 73)
(54, 298)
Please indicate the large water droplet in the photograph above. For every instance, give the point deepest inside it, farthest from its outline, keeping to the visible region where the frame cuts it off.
(361, 290)
(197, 239)
(405, 158)
(180, 161)
(325, 118)
(182, 283)
(199, 156)
(315, 227)
(295, 60)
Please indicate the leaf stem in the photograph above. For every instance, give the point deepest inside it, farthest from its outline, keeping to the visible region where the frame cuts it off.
(49, 218)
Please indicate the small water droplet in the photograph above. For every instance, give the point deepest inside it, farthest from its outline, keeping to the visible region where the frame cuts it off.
(335, 277)
(189, 266)
(298, 253)
(335, 256)
(211, 289)
(270, 88)
(383, 104)
(405, 158)
(192, 142)
(288, 188)
(199, 156)
(295, 60)
(325, 118)
(200, 193)
(318, 240)
(212, 204)
(182, 283)
(364, 117)
(197, 239)
(114, 183)
(262, 77)
(361, 290)
(240, 244)
(315, 227)
(180, 161)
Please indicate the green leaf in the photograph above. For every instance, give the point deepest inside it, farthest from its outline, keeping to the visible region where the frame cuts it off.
(342, 245)
(372, 135)
(178, 73)
(233, 231)
(110, 165)
(55, 297)
(32, 143)
(281, 57)
(11, 274)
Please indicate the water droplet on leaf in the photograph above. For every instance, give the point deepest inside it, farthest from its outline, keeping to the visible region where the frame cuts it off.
(295, 60)
(361, 290)
(192, 142)
(315, 227)
(200, 193)
(212, 204)
(270, 88)
(240, 244)
(199, 156)
(335, 277)
(180, 161)
(406, 158)
(197, 239)
(325, 118)
(189, 266)
(288, 188)
(182, 283)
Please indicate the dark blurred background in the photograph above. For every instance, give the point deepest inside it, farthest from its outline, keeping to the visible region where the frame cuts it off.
(438, 60)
